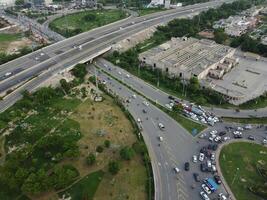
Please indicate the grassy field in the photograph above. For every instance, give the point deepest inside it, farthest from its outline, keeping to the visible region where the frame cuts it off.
(6, 39)
(86, 187)
(147, 11)
(84, 21)
(244, 156)
(262, 120)
(100, 122)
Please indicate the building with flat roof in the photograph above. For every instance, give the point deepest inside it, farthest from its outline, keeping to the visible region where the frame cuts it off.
(189, 57)
(86, 3)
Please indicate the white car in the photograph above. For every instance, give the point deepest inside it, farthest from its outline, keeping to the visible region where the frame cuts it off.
(213, 168)
(194, 158)
(119, 72)
(209, 163)
(168, 106)
(145, 103)
(176, 169)
(160, 138)
(139, 120)
(212, 157)
(134, 96)
(217, 139)
(204, 196)
(201, 157)
(206, 189)
(128, 76)
(226, 138)
(161, 126)
(239, 128)
(222, 196)
(214, 132)
(264, 141)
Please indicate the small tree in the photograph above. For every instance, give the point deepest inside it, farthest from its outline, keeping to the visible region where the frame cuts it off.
(107, 143)
(127, 153)
(113, 167)
(99, 149)
(90, 159)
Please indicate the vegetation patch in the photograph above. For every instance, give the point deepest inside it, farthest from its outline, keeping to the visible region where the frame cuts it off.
(252, 120)
(76, 23)
(244, 166)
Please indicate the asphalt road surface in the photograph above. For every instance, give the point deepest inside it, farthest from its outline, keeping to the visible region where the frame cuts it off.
(63, 54)
(177, 147)
(162, 97)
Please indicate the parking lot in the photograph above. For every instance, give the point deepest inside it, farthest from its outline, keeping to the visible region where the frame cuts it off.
(205, 161)
(247, 80)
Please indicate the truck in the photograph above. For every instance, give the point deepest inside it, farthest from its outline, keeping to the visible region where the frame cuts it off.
(212, 185)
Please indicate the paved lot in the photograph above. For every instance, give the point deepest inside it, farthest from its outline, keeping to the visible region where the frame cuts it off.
(247, 80)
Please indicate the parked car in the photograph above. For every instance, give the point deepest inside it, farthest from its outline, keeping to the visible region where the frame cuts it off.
(222, 196)
(186, 166)
(206, 188)
(264, 141)
(196, 177)
(204, 196)
(226, 138)
(251, 137)
(160, 138)
(144, 111)
(194, 158)
(145, 103)
(171, 97)
(217, 178)
(222, 133)
(212, 157)
(201, 157)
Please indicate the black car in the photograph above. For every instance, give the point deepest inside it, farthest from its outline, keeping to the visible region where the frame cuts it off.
(203, 167)
(251, 137)
(214, 147)
(171, 97)
(196, 177)
(186, 166)
(222, 133)
(144, 111)
(237, 136)
(217, 178)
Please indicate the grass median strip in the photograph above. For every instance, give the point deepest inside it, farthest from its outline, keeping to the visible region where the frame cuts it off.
(241, 164)
(252, 120)
(191, 126)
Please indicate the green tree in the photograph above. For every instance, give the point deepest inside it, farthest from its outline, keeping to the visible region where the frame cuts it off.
(107, 143)
(65, 85)
(90, 159)
(113, 167)
(19, 2)
(99, 149)
(79, 71)
(127, 153)
(220, 36)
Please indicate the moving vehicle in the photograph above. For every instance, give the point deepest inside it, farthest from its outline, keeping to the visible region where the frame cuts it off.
(145, 103)
(176, 170)
(144, 111)
(160, 138)
(161, 126)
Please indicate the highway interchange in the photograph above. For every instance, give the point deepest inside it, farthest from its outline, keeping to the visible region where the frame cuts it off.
(177, 146)
(64, 54)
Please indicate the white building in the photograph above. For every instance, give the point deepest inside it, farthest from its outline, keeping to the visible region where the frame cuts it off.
(6, 3)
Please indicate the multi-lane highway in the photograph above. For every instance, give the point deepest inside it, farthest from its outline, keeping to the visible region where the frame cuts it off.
(71, 51)
(162, 97)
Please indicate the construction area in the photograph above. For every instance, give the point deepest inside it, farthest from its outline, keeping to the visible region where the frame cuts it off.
(189, 57)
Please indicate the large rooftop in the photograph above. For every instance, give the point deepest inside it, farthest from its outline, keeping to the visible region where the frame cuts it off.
(188, 54)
